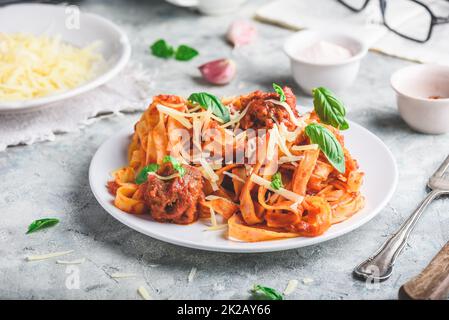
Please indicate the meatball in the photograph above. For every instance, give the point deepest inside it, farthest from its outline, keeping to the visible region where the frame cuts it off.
(176, 200)
(264, 114)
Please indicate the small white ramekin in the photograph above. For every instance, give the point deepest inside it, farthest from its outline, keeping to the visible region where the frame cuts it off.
(416, 87)
(334, 76)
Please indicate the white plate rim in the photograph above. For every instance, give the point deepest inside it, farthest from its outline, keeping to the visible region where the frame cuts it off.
(27, 105)
(120, 215)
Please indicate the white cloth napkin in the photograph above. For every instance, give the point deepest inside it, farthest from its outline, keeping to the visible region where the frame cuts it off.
(367, 25)
(128, 91)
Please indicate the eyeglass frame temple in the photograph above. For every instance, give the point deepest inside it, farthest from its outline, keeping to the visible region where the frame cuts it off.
(352, 8)
(433, 21)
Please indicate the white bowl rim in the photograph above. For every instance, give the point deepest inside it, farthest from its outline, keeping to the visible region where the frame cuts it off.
(432, 102)
(102, 78)
(359, 55)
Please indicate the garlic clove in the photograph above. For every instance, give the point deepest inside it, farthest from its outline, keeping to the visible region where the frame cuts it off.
(241, 32)
(220, 71)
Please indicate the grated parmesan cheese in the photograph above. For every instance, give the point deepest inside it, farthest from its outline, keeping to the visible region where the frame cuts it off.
(177, 115)
(172, 176)
(78, 261)
(306, 147)
(233, 176)
(287, 194)
(297, 122)
(292, 284)
(213, 218)
(192, 274)
(36, 66)
(144, 293)
(119, 275)
(47, 256)
(217, 227)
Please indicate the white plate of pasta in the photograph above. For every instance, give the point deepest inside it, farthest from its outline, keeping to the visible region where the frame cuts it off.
(252, 173)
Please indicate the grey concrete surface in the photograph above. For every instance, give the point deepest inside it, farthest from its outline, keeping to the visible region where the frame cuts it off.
(50, 179)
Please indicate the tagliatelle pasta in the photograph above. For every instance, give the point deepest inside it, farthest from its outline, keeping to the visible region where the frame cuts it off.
(259, 169)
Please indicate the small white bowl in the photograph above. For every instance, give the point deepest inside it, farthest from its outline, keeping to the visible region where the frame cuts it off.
(335, 76)
(417, 87)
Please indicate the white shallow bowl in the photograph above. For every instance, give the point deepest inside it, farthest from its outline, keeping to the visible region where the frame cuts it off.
(414, 87)
(210, 7)
(51, 20)
(373, 157)
(335, 76)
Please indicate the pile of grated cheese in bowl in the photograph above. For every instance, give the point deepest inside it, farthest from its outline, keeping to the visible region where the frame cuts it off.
(36, 66)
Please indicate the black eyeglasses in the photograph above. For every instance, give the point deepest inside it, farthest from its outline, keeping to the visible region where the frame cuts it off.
(419, 28)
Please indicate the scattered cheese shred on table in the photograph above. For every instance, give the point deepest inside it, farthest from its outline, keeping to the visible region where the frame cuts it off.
(119, 275)
(144, 293)
(292, 284)
(192, 274)
(77, 261)
(47, 256)
(307, 280)
(35, 66)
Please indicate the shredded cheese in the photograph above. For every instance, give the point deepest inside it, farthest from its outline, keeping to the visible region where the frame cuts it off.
(286, 159)
(119, 275)
(36, 66)
(78, 261)
(287, 194)
(217, 227)
(233, 176)
(307, 280)
(177, 115)
(192, 274)
(296, 121)
(305, 147)
(271, 147)
(213, 218)
(281, 141)
(172, 176)
(292, 284)
(214, 197)
(144, 293)
(47, 256)
(237, 118)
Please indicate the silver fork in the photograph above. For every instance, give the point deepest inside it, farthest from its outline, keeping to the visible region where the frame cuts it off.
(380, 265)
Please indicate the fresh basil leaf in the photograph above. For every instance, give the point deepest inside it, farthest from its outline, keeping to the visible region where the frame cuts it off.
(207, 100)
(161, 49)
(328, 144)
(280, 92)
(330, 110)
(266, 293)
(176, 165)
(143, 174)
(42, 224)
(185, 53)
(276, 181)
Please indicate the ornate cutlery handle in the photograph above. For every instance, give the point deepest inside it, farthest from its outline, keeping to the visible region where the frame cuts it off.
(380, 265)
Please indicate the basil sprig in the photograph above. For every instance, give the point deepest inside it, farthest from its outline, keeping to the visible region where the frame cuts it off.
(330, 110)
(162, 49)
(176, 165)
(276, 181)
(265, 293)
(280, 92)
(328, 144)
(143, 174)
(42, 224)
(185, 53)
(207, 100)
